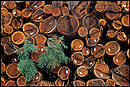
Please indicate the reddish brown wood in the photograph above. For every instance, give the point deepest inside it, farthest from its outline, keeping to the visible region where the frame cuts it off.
(111, 33)
(112, 47)
(17, 13)
(38, 77)
(81, 9)
(12, 70)
(77, 58)
(14, 60)
(121, 75)
(2, 81)
(82, 71)
(101, 70)
(85, 51)
(17, 23)
(10, 48)
(37, 16)
(77, 44)
(8, 29)
(94, 33)
(3, 68)
(48, 8)
(59, 82)
(56, 68)
(119, 58)
(113, 11)
(90, 21)
(21, 81)
(110, 82)
(10, 83)
(5, 40)
(89, 62)
(48, 25)
(26, 12)
(98, 51)
(117, 24)
(18, 37)
(64, 72)
(56, 11)
(30, 29)
(128, 53)
(10, 4)
(95, 82)
(65, 10)
(40, 39)
(3, 10)
(91, 41)
(31, 39)
(125, 20)
(78, 83)
(102, 22)
(82, 31)
(121, 36)
(99, 7)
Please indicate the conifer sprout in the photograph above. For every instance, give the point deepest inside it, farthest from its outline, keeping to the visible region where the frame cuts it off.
(28, 69)
(27, 48)
(54, 55)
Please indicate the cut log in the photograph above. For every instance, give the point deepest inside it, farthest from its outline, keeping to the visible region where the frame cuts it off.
(40, 39)
(30, 29)
(102, 22)
(117, 24)
(112, 47)
(94, 33)
(119, 58)
(8, 29)
(12, 70)
(2, 81)
(59, 82)
(38, 77)
(31, 39)
(56, 68)
(56, 11)
(81, 9)
(5, 40)
(3, 68)
(57, 3)
(18, 37)
(95, 82)
(121, 36)
(3, 10)
(90, 21)
(14, 60)
(10, 4)
(10, 83)
(85, 51)
(37, 16)
(91, 41)
(89, 63)
(110, 82)
(82, 71)
(26, 12)
(101, 70)
(48, 25)
(98, 51)
(17, 13)
(21, 81)
(64, 72)
(67, 24)
(77, 44)
(111, 33)
(113, 11)
(99, 7)
(78, 83)
(17, 23)
(10, 48)
(65, 10)
(125, 20)
(82, 31)
(48, 8)
(128, 53)
(121, 75)
(77, 58)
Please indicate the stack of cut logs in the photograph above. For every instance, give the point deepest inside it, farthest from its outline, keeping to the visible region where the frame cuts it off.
(96, 32)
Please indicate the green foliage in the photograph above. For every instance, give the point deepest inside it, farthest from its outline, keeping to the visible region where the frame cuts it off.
(26, 65)
(27, 68)
(27, 49)
(54, 55)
